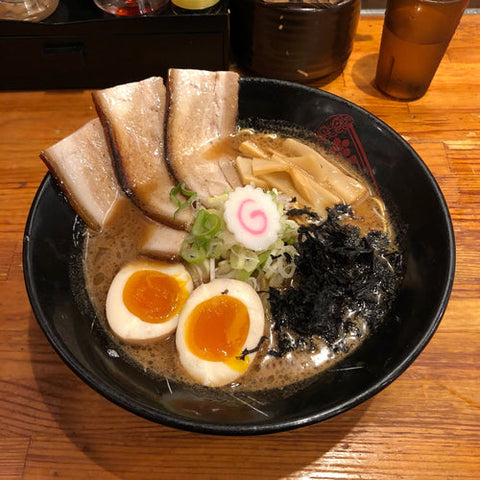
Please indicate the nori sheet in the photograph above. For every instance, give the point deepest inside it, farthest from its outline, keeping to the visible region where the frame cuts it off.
(338, 272)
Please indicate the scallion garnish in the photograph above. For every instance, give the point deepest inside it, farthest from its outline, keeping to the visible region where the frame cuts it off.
(176, 194)
(206, 225)
(198, 244)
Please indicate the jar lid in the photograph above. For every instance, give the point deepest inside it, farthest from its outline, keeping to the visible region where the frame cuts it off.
(194, 4)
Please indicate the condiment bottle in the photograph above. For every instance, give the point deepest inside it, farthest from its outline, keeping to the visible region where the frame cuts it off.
(196, 6)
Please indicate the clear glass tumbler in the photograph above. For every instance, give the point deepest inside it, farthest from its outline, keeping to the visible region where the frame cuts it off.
(132, 7)
(30, 10)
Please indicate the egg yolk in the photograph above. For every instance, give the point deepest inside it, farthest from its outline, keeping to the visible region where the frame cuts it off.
(153, 296)
(218, 328)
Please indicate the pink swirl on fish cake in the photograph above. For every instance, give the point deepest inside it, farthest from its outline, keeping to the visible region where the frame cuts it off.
(244, 214)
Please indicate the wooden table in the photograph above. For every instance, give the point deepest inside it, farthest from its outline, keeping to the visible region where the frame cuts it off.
(426, 425)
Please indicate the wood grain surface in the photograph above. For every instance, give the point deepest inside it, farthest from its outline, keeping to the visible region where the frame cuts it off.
(423, 426)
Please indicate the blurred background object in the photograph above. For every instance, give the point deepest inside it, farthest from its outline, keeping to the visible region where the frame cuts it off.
(82, 46)
(378, 6)
(297, 41)
(30, 10)
(132, 7)
(194, 6)
(416, 34)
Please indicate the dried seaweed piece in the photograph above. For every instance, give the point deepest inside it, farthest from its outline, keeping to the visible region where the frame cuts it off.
(339, 274)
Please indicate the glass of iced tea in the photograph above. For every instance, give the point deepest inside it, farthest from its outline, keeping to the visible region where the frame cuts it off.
(415, 35)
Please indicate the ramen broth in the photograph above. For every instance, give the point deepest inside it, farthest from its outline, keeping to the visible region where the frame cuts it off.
(106, 252)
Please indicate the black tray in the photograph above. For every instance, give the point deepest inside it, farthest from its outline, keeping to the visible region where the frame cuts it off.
(80, 46)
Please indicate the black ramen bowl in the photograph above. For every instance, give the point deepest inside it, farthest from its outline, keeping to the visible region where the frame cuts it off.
(53, 276)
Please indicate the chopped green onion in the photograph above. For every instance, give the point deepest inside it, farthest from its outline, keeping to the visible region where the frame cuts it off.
(262, 257)
(242, 275)
(207, 224)
(215, 248)
(200, 243)
(209, 238)
(178, 190)
(192, 252)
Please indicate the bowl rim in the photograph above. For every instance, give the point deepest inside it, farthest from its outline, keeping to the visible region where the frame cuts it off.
(241, 429)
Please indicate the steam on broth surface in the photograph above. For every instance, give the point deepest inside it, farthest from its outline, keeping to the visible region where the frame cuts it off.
(288, 353)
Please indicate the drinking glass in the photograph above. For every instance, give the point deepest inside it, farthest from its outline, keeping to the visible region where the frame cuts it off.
(31, 10)
(415, 35)
(132, 7)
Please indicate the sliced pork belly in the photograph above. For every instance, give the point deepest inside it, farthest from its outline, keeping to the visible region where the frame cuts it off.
(203, 110)
(82, 166)
(133, 116)
(161, 241)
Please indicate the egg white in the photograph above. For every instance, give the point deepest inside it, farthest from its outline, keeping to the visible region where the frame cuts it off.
(212, 373)
(123, 322)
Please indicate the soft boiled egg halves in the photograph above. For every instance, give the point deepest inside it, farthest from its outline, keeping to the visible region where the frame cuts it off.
(219, 330)
(145, 299)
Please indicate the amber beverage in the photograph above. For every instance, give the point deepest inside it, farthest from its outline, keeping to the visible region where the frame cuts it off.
(415, 35)
(132, 7)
